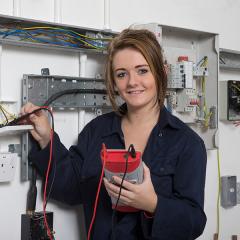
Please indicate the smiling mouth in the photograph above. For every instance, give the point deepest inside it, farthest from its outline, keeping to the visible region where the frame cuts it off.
(135, 92)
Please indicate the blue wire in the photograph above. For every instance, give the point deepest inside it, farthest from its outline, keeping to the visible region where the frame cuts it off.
(29, 34)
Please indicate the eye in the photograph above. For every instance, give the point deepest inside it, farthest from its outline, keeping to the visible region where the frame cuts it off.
(142, 71)
(121, 74)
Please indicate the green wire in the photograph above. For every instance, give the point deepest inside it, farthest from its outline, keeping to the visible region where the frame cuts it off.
(219, 192)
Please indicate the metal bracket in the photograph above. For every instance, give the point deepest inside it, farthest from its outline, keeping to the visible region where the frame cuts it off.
(39, 88)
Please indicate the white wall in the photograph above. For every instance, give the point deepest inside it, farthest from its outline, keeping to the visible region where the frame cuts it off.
(218, 16)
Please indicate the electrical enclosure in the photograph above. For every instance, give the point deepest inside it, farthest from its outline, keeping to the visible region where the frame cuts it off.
(229, 100)
(228, 191)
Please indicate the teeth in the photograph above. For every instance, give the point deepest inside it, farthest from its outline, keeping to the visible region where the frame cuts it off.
(135, 92)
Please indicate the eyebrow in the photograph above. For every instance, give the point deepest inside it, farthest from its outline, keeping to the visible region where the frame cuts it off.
(138, 66)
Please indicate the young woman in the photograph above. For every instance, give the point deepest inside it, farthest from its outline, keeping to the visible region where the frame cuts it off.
(170, 198)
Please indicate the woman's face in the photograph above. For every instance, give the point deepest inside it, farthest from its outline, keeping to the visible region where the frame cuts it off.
(134, 80)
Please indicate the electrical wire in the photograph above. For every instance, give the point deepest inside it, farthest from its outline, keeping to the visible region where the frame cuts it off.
(73, 91)
(218, 194)
(97, 194)
(234, 86)
(130, 151)
(7, 115)
(20, 119)
(207, 114)
(32, 193)
(61, 29)
(4, 113)
(7, 112)
(202, 61)
(49, 233)
(55, 36)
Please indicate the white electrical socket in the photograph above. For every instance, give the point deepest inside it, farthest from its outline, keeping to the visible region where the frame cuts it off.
(7, 166)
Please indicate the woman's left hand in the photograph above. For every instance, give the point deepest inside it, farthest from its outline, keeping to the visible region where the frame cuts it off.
(141, 196)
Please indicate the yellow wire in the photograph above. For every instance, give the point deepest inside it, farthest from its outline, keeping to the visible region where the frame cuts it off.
(55, 28)
(219, 192)
(207, 114)
(6, 111)
(205, 62)
(235, 87)
(81, 35)
(9, 119)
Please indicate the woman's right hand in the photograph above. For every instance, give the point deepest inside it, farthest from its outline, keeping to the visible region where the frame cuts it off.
(42, 129)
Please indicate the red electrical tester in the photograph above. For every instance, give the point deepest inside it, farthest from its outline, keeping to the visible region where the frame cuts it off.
(115, 165)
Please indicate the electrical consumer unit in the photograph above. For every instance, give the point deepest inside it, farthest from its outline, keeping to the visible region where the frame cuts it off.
(229, 100)
(191, 61)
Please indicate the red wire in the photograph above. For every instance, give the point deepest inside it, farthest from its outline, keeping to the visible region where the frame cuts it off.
(97, 195)
(45, 188)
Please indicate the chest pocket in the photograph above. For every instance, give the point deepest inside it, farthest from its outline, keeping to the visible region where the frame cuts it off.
(162, 178)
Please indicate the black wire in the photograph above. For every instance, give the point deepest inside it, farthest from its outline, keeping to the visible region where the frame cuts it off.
(19, 120)
(46, 104)
(73, 91)
(32, 192)
(131, 151)
(51, 186)
(53, 98)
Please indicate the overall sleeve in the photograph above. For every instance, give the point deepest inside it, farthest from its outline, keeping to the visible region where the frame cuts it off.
(181, 216)
(65, 174)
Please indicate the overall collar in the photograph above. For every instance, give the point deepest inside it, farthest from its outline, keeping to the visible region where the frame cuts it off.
(166, 120)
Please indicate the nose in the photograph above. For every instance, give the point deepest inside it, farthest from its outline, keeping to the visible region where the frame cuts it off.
(132, 80)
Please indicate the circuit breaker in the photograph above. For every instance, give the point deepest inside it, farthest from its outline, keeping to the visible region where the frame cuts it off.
(229, 100)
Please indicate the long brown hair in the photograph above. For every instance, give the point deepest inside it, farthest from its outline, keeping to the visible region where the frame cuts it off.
(146, 43)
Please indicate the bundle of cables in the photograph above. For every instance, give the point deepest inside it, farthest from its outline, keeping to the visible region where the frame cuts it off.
(54, 36)
(7, 115)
